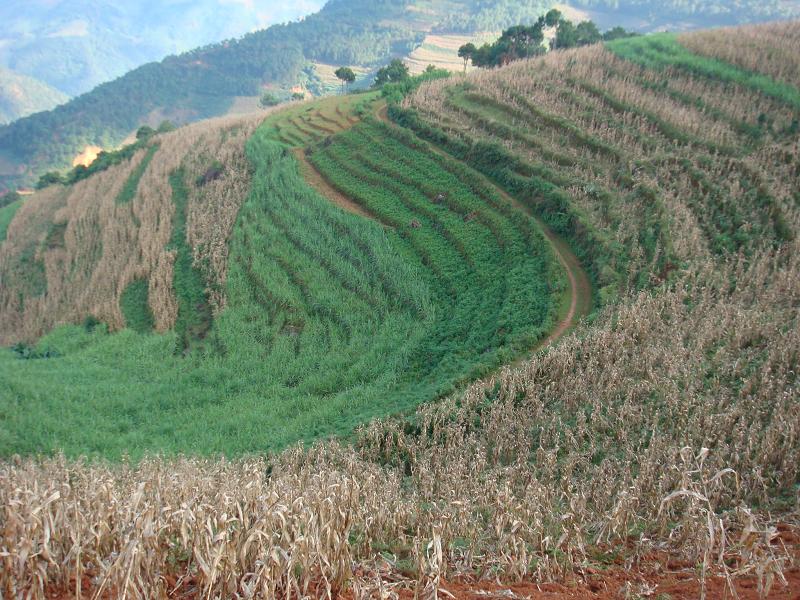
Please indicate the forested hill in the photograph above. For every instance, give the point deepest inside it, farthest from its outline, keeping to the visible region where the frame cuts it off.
(201, 83)
(205, 82)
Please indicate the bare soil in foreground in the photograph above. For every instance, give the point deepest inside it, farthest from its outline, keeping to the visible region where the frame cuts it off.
(616, 583)
(619, 584)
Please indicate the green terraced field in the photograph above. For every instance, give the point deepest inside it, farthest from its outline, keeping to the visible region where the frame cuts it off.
(663, 50)
(307, 122)
(332, 319)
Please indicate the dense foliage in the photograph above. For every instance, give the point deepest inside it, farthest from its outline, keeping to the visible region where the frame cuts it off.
(394, 72)
(522, 41)
(346, 75)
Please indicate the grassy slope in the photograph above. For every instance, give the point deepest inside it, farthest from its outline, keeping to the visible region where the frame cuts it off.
(332, 319)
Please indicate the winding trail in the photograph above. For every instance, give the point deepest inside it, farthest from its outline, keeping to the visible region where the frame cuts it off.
(577, 299)
(319, 183)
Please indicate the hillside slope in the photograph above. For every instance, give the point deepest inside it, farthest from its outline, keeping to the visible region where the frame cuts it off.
(661, 438)
(327, 319)
(21, 96)
(207, 81)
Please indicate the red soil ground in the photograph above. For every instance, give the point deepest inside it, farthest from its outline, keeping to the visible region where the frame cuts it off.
(616, 583)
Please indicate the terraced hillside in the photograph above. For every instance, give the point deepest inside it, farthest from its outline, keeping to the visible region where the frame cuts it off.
(441, 51)
(300, 125)
(211, 80)
(655, 452)
(649, 157)
(297, 322)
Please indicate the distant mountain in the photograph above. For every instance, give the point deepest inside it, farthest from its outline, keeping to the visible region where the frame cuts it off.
(361, 33)
(76, 45)
(21, 95)
(684, 14)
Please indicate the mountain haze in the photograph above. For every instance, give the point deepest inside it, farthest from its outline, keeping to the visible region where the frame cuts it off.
(21, 95)
(76, 45)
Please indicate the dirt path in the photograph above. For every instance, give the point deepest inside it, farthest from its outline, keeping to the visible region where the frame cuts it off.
(319, 183)
(577, 300)
(617, 583)
(614, 583)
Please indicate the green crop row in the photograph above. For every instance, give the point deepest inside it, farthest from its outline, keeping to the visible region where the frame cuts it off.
(6, 215)
(128, 190)
(663, 50)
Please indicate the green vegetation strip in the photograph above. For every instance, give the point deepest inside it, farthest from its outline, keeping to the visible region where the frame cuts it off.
(547, 200)
(135, 306)
(194, 311)
(128, 191)
(663, 50)
(6, 216)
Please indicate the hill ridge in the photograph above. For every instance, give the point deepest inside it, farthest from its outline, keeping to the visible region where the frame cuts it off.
(206, 81)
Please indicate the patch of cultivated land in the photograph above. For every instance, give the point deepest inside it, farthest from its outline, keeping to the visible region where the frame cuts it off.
(360, 262)
(335, 319)
(243, 105)
(327, 75)
(441, 51)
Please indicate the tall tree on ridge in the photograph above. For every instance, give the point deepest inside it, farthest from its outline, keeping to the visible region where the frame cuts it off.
(346, 75)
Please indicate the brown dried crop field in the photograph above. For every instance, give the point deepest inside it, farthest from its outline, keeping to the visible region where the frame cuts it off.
(325, 72)
(632, 146)
(83, 238)
(654, 452)
(770, 49)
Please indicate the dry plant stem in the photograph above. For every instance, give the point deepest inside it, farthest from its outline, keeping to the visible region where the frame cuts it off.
(107, 245)
(297, 524)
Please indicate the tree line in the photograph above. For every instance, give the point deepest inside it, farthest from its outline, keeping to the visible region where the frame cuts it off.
(525, 41)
